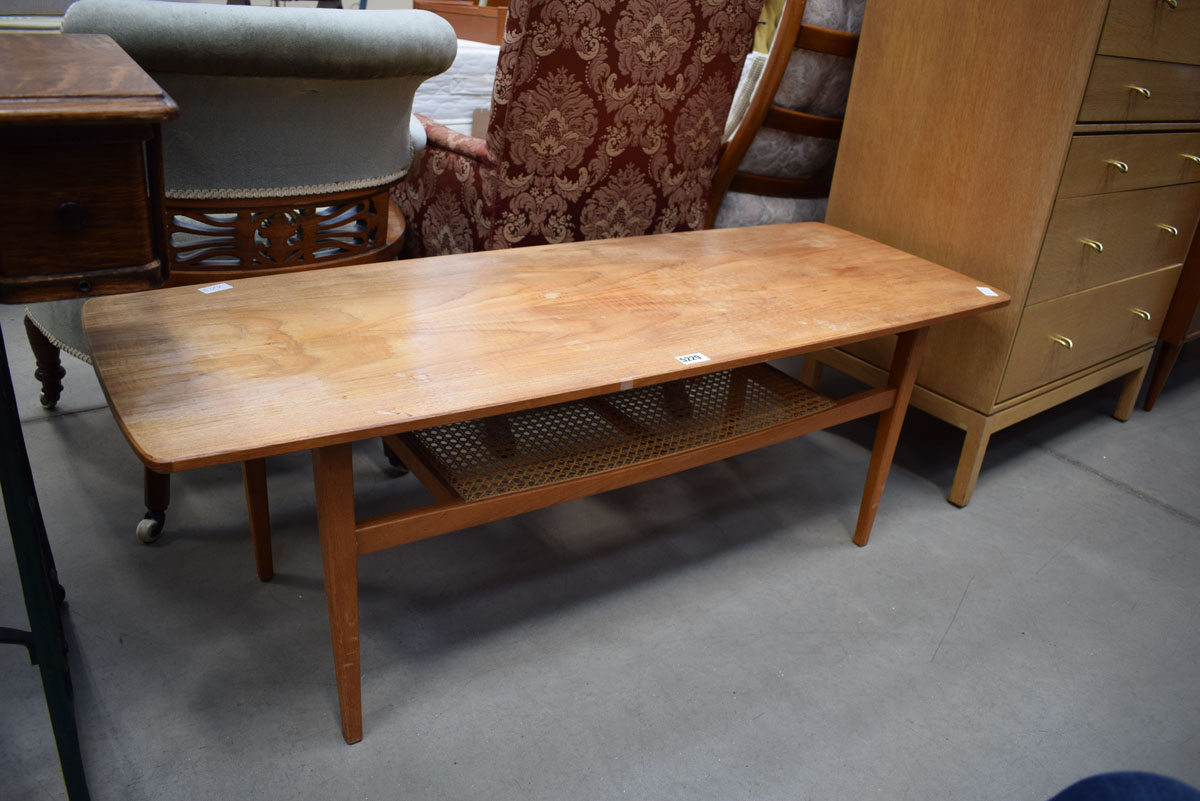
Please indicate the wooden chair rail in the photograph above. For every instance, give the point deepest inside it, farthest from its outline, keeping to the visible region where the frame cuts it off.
(763, 112)
(779, 187)
(827, 40)
(802, 123)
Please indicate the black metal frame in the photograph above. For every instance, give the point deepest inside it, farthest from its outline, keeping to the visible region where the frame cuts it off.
(44, 596)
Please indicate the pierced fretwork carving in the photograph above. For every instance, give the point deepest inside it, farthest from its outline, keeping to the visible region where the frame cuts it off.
(275, 233)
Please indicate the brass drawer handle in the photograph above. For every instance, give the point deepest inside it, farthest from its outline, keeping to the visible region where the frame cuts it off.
(1120, 165)
(1170, 229)
(1064, 341)
(1191, 157)
(1145, 315)
(1172, 3)
(1141, 90)
(1093, 244)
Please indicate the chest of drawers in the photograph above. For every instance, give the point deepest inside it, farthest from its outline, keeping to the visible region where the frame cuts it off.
(1050, 149)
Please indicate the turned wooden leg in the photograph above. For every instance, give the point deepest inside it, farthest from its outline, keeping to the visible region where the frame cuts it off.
(970, 460)
(1162, 369)
(334, 478)
(810, 371)
(49, 370)
(254, 480)
(903, 375)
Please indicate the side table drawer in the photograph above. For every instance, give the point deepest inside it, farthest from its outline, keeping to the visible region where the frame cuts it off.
(1121, 162)
(1152, 29)
(1129, 232)
(1127, 89)
(1068, 334)
(74, 209)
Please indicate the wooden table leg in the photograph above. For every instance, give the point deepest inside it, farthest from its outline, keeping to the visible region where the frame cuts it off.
(254, 480)
(334, 478)
(905, 361)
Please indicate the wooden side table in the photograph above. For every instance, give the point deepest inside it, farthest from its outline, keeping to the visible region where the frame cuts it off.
(80, 158)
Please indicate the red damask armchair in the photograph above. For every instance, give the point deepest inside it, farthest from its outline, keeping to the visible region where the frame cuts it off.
(606, 121)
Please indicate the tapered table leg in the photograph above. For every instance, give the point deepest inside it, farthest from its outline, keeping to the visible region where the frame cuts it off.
(254, 481)
(905, 361)
(39, 582)
(334, 478)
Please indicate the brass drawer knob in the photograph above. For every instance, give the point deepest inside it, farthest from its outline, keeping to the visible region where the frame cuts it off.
(1172, 3)
(1093, 244)
(1170, 229)
(1145, 315)
(1064, 341)
(1120, 165)
(1141, 90)
(1191, 157)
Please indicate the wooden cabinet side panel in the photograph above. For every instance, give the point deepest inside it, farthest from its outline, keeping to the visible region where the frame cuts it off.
(957, 128)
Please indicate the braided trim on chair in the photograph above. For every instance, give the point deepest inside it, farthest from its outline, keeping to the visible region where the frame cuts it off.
(56, 342)
(285, 191)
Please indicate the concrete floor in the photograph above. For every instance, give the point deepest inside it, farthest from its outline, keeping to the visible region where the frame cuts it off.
(712, 635)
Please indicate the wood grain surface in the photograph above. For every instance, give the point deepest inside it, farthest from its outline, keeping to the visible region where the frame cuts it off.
(75, 77)
(286, 363)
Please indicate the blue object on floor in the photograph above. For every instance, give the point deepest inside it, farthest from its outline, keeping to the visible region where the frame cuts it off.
(1128, 786)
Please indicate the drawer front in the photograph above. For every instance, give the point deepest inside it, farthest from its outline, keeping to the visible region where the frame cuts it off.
(1152, 29)
(1167, 91)
(1090, 327)
(73, 208)
(1131, 232)
(1121, 162)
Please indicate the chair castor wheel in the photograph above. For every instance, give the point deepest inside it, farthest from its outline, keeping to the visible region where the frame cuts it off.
(150, 528)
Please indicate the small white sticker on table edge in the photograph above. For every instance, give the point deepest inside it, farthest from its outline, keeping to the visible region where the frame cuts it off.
(208, 290)
(991, 293)
(626, 383)
(692, 358)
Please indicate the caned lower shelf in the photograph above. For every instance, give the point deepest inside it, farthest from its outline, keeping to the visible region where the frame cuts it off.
(484, 458)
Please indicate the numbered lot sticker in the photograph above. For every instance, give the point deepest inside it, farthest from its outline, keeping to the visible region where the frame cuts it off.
(692, 358)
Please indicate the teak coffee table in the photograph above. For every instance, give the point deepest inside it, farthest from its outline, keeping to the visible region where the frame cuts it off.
(509, 381)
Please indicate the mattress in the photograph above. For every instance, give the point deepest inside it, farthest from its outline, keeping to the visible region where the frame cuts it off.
(452, 97)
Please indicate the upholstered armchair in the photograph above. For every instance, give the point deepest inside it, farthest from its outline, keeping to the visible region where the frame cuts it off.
(606, 121)
(294, 125)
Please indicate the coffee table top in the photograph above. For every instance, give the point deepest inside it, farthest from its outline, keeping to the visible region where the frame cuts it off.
(284, 363)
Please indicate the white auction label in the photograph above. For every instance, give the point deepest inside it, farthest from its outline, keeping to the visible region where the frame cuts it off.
(991, 293)
(208, 290)
(692, 358)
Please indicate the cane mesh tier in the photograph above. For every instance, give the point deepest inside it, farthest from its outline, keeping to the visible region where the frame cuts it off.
(523, 450)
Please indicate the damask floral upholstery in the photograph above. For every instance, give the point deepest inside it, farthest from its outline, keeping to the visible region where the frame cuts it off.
(607, 118)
